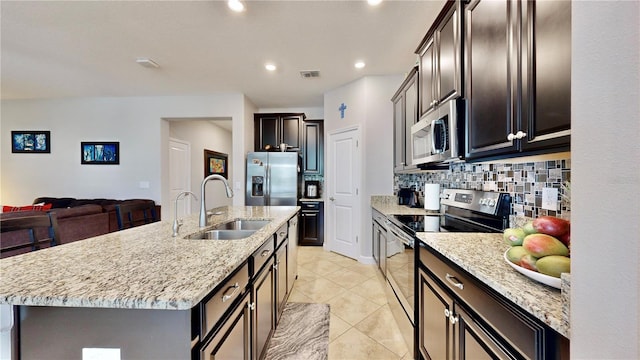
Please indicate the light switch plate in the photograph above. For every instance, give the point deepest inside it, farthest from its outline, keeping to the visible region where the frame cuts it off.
(100, 354)
(550, 198)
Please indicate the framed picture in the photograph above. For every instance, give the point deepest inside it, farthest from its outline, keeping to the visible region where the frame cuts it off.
(215, 163)
(100, 153)
(31, 142)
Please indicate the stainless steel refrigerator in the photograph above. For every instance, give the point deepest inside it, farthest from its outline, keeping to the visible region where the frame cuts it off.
(272, 179)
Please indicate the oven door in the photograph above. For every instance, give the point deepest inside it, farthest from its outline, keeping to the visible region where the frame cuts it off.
(400, 265)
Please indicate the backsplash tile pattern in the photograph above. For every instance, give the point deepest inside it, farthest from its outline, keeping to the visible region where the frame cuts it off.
(524, 181)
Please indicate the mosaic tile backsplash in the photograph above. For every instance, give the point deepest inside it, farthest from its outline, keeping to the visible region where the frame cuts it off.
(524, 181)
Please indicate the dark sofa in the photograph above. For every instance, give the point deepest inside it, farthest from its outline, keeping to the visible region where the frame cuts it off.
(77, 218)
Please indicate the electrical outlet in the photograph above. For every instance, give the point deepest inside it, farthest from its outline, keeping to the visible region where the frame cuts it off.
(550, 198)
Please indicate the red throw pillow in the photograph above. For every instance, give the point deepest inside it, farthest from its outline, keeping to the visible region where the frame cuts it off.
(44, 207)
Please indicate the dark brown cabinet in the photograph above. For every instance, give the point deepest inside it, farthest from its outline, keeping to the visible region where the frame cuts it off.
(405, 114)
(276, 128)
(264, 308)
(281, 270)
(379, 241)
(517, 76)
(312, 223)
(233, 339)
(312, 147)
(440, 53)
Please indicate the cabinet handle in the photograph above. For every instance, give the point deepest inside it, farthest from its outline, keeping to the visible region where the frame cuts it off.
(447, 313)
(520, 135)
(511, 137)
(265, 253)
(251, 306)
(275, 266)
(226, 296)
(455, 282)
(453, 319)
(283, 234)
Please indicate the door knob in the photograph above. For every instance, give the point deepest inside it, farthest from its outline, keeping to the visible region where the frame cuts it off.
(331, 198)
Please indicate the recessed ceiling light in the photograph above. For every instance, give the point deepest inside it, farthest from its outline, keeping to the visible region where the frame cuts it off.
(148, 63)
(270, 67)
(235, 5)
(374, 2)
(359, 64)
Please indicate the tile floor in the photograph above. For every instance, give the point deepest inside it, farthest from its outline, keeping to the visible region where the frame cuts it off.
(361, 323)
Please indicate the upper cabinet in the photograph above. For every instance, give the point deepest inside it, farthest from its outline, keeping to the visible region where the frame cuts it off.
(440, 54)
(518, 76)
(312, 147)
(405, 114)
(275, 129)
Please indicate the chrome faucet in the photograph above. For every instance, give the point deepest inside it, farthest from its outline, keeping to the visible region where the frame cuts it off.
(203, 208)
(176, 222)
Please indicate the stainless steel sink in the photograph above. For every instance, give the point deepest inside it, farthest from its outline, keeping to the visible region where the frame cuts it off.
(221, 234)
(243, 224)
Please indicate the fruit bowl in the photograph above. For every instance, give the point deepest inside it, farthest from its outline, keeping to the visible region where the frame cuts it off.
(545, 279)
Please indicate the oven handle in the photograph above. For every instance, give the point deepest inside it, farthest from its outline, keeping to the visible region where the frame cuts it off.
(404, 238)
(467, 221)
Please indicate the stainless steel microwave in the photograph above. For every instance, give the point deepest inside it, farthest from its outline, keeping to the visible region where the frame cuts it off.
(434, 138)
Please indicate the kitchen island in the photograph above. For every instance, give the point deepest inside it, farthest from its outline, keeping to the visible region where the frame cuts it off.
(134, 289)
(481, 255)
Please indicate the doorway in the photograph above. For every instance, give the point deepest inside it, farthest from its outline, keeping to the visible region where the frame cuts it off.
(343, 185)
(179, 176)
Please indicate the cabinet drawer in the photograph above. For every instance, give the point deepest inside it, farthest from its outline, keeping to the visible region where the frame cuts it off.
(314, 205)
(219, 303)
(262, 255)
(522, 332)
(377, 216)
(281, 234)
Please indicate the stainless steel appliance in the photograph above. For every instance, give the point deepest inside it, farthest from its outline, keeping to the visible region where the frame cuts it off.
(460, 211)
(435, 138)
(311, 189)
(272, 179)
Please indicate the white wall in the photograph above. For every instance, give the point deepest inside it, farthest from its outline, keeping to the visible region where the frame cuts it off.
(605, 179)
(203, 134)
(369, 106)
(136, 122)
(312, 113)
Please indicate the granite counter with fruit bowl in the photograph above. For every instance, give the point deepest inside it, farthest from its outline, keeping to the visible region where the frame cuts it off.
(482, 256)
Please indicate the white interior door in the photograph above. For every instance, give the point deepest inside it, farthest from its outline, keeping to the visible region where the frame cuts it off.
(179, 176)
(343, 178)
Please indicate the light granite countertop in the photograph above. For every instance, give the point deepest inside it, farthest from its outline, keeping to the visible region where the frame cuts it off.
(481, 255)
(139, 268)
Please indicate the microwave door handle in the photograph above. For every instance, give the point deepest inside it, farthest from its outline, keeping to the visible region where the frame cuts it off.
(433, 136)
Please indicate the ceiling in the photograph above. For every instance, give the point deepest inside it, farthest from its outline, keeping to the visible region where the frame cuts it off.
(57, 49)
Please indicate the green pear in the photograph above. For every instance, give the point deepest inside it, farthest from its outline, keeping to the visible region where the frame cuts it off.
(515, 254)
(514, 236)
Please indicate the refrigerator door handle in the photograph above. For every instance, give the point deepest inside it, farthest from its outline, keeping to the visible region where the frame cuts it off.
(267, 185)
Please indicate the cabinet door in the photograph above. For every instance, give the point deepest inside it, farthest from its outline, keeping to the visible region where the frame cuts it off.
(546, 98)
(312, 147)
(435, 331)
(491, 80)
(427, 62)
(266, 131)
(309, 227)
(292, 256)
(291, 128)
(410, 118)
(233, 340)
(474, 342)
(281, 278)
(448, 55)
(264, 311)
(398, 134)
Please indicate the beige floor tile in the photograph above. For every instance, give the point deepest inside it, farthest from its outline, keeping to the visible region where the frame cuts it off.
(306, 275)
(320, 290)
(381, 327)
(351, 307)
(346, 278)
(321, 267)
(363, 269)
(373, 290)
(341, 260)
(337, 326)
(297, 296)
(354, 345)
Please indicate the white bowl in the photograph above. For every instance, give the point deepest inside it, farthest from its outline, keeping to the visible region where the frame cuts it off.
(545, 279)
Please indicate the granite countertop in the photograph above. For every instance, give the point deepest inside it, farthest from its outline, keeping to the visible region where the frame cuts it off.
(481, 255)
(139, 268)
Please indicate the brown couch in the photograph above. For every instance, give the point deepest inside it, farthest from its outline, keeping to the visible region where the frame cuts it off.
(77, 218)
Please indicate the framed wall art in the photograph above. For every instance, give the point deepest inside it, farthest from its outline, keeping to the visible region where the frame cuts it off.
(99, 153)
(31, 142)
(216, 163)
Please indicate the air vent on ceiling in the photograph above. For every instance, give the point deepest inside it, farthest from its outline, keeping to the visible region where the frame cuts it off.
(310, 73)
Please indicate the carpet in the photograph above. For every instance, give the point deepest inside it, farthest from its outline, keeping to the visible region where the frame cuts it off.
(303, 333)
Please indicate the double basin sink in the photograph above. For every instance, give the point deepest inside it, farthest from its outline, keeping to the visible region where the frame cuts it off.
(232, 230)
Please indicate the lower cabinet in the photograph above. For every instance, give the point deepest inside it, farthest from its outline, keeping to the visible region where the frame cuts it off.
(263, 308)
(280, 267)
(233, 339)
(459, 318)
(379, 241)
(312, 223)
